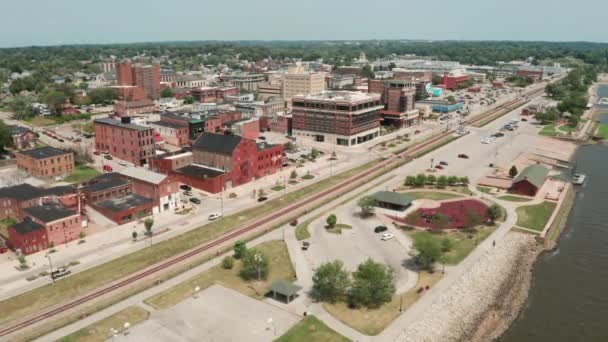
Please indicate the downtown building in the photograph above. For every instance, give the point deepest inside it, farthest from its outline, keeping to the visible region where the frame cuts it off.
(398, 97)
(137, 88)
(124, 140)
(337, 117)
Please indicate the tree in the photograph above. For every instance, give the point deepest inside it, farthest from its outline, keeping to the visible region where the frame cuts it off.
(148, 223)
(420, 179)
(5, 135)
(573, 121)
(22, 261)
(367, 72)
(21, 106)
(431, 179)
(330, 282)
(102, 95)
(437, 79)
(373, 285)
(446, 245)
(464, 180)
(367, 205)
(134, 235)
(288, 146)
(451, 98)
(314, 153)
(254, 266)
(240, 248)
(332, 220)
(442, 181)
(452, 180)
(294, 175)
(227, 263)
(410, 180)
(428, 250)
(188, 100)
(513, 171)
(166, 92)
(493, 212)
(82, 235)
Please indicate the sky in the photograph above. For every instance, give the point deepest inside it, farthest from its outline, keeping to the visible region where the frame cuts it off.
(56, 22)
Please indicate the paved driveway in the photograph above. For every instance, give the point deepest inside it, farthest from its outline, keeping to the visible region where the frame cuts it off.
(218, 314)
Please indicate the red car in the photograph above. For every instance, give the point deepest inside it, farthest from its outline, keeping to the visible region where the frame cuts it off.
(107, 168)
(417, 131)
(439, 167)
(96, 153)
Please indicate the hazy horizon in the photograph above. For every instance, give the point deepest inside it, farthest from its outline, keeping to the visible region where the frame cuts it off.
(71, 22)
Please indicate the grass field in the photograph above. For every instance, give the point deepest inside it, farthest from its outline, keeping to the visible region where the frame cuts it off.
(484, 189)
(277, 188)
(433, 195)
(548, 131)
(535, 217)
(462, 244)
(566, 128)
(511, 198)
(100, 331)
(41, 121)
(311, 329)
(602, 131)
(373, 321)
(337, 229)
(82, 282)
(81, 174)
(302, 232)
(280, 268)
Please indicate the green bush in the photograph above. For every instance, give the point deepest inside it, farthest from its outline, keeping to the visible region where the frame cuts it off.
(227, 263)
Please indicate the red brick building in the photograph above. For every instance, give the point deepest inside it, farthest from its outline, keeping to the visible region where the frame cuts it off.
(131, 108)
(14, 199)
(126, 208)
(453, 81)
(161, 189)
(247, 128)
(213, 94)
(176, 134)
(270, 159)
(146, 77)
(28, 237)
(533, 74)
(45, 162)
(124, 140)
(106, 186)
(22, 137)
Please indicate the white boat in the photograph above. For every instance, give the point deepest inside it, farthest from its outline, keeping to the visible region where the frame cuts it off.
(578, 178)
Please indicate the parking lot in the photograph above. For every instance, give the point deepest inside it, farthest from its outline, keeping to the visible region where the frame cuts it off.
(218, 314)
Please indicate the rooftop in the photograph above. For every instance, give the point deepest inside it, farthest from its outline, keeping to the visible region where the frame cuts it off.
(49, 212)
(24, 192)
(534, 174)
(143, 174)
(393, 198)
(117, 123)
(105, 183)
(44, 152)
(217, 143)
(124, 203)
(168, 124)
(27, 226)
(199, 171)
(339, 95)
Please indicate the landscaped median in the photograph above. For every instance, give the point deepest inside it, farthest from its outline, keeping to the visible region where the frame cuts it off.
(311, 329)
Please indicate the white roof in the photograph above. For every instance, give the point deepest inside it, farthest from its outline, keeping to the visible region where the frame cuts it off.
(143, 174)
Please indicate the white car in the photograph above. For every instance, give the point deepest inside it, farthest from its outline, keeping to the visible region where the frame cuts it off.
(387, 236)
(122, 162)
(214, 216)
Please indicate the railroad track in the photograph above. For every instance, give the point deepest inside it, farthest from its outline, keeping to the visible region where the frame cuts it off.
(198, 250)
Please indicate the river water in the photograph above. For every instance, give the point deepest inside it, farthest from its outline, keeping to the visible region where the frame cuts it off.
(569, 296)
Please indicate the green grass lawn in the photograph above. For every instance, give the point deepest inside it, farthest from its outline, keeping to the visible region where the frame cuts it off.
(433, 195)
(277, 188)
(302, 232)
(77, 284)
(602, 131)
(566, 128)
(511, 198)
(40, 121)
(548, 131)
(311, 329)
(100, 331)
(535, 217)
(484, 189)
(337, 229)
(280, 267)
(81, 174)
(462, 243)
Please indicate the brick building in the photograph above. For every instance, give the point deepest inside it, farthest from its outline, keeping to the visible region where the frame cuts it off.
(46, 162)
(28, 237)
(176, 134)
(270, 159)
(62, 225)
(213, 94)
(106, 186)
(536, 75)
(14, 199)
(398, 97)
(169, 162)
(195, 126)
(143, 76)
(246, 128)
(337, 117)
(453, 81)
(124, 140)
(161, 189)
(131, 108)
(126, 208)
(22, 137)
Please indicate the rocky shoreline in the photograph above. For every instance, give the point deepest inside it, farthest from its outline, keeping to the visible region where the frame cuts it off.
(486, 300)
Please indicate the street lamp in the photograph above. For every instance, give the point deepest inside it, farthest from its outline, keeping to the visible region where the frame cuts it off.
(126, 328)
(48, 256)
(196, 291)
(258, 261)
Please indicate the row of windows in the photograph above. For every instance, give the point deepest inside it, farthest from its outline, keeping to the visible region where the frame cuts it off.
(52, 160)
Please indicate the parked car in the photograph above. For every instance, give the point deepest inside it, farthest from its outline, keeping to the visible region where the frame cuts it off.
(195, 200)
(463, 156)
(214, 216)
(444, 163)
(524, 119)
(61, 272)
(293, 222)
(305, 245)
(107, 168)
(122, 162)
(387, 236)
(499, 135)
(188, 193)
(262, 137)
(439, 167)
(185, 187)
(380, 229)
(97, 153)
(108, 157)
(262, 199)
(417, 131)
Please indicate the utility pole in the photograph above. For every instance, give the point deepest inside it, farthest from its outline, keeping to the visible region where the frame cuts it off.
(48, 256)
(222, 200)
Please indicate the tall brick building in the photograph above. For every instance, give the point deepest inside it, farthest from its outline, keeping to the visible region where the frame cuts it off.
(46, 162)
(398, 97)
(124, 140)
(337, 117)
(143, 76)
